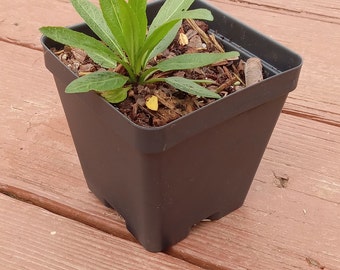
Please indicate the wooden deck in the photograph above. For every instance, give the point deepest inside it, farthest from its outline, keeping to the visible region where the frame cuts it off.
(50, 220)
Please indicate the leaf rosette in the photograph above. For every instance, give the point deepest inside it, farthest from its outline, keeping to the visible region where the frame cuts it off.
(126, 39)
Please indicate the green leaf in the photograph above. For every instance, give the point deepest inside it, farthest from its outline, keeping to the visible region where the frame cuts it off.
(99, 52)
(190, 87)
(139, 8)
(110, 11)
(161, 35)
(198, 14)
(194, 60)
(124, 24)
(98, 81)
(95, 20)
(164, 43)
(155, 38)
(140, 28)
(168, 10)
(117, 95)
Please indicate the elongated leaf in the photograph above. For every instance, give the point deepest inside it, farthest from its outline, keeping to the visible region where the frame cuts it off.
(135, 26)
(168, 10)
(191, 87)
(93, 47)
(123, 23)
(198, 14)
(98, 81)
(164, 43)
(194, 60)
(154, 39)
(139, 8)
(160, 34)
(110, 11)
(130, 29)
(140, 26)
(95, 20)
(117, 95)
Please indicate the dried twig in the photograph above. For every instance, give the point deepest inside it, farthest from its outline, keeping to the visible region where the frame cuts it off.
(227, 84)
(203, 35)
(207, 39)
(312, 262)
(217, 45)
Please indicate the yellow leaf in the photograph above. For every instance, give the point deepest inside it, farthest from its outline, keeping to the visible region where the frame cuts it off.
(183, 39)
(152, 103)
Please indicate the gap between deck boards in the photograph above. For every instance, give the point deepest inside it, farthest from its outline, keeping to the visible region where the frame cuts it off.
(91, 221)
(21, 44)
(117, 229)
(309, 116)
(277, 9)
(65, 211)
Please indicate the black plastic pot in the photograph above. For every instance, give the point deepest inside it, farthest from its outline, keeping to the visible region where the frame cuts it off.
(164, 180)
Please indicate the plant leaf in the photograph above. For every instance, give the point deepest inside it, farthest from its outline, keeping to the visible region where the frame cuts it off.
(110, 11)
(164, 43)
(194, 60)
(152, 103)
(99, 52)
(124, 24)
(164, 34)
(117, 95)
(139, 8)
(155, 38)
(98, 81)
(168, 10)
(95, 20)
(191, 87)
(198, 14)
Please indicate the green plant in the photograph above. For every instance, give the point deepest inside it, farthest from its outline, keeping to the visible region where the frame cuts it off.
(126, 39)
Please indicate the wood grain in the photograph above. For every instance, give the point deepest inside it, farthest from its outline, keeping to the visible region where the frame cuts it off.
(317, 96)
(32, 238)
(37, 155)
(316, 10)
(278, 228)
(296, 227)
(310, 28)
(33, 127)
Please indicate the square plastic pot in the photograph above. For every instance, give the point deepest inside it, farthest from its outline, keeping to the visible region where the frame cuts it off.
(164, 180)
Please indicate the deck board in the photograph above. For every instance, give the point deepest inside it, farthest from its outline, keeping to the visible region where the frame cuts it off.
(280, 228)
(294, 24)
(317, 96)
(296, 227)
(323, 11)
(38, 155)
(32, 238)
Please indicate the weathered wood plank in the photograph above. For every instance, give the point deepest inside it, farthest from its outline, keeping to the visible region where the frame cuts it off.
(37, 154)
(33, 130)
(20, 20)
(318, 94)
(298, 25)
(253, 239)
(32, 238)
(308, 153)
(323, 11)
(281, 228)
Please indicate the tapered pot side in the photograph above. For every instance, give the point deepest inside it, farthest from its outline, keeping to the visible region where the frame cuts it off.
(164, 180)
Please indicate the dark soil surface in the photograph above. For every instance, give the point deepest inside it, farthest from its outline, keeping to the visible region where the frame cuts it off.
(193, 37)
